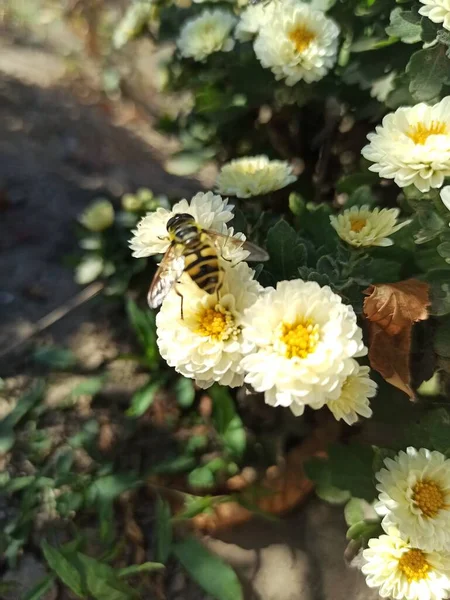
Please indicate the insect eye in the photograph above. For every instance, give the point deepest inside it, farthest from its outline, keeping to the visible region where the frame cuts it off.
(178, 219)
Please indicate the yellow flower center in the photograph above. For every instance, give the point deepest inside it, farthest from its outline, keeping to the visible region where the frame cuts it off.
(414, 565)
(357, 224)
(421, 132)
(301, 37)
(429, 497)
(300, 338)
(215, 323)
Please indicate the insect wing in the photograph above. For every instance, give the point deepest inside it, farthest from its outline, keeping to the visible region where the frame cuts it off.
(168, 273)
(222, 241)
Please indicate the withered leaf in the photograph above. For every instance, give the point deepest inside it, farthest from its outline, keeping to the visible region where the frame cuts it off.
(392, 309)
(284, 488)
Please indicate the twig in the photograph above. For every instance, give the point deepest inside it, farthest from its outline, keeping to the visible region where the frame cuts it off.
(57, 314)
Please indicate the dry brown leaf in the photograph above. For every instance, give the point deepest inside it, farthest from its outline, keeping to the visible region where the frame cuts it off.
(287, 487)
(392, 309)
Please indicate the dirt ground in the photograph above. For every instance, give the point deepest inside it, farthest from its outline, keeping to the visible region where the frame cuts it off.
(61, 145)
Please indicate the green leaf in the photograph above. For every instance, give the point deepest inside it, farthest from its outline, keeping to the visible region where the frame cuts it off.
(7, 439)
(428, 70)
(213, 575)
(25, 403)
(332, 494)
(297, 204)
(102, 581)
(439, 280)
(143, 323)
(188, 162)
(143, 399)
(228, 423)
(163, 530)
(352, 469)
(430, 432)
(40, 589)
(350, 183)
(185, 392)
(55, 357)
(142, 568)
(195, 505)
(65, 571)
(442, 338)
(353, 511)
(109, 487)
(176, 464)
(364, 530)
(405, 25)
(286, 252)
(90, 387)
(201, 478)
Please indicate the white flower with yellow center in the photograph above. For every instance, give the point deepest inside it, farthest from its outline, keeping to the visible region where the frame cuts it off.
(209, 210)
(361, 226)
(303, 336)
(438, 11)
(415, 497)
(207, 344)
(412, 146)
(353, 399)
(297, 43)
(252, 19)
(208, 33)
(253, 176)
(404, 572)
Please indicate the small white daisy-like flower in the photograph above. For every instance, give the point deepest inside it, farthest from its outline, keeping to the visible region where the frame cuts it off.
(415, 497)
(209, 210)
(353, 399)
(412, 146)
(297, 43)
(362, 226)
(253, 176)
(404, 572)
(303, 336)
(438, 11)
(252, 19)
(207, 344)
(208, 33)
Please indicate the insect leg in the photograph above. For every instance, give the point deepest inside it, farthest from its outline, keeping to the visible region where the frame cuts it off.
(178, 293)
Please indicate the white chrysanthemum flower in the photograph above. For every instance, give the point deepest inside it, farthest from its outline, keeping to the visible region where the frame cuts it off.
(362, 226)
(207, 344)
(208, 33)
(253, 176)
(412, 146)
(303, 336)
(252, 19)
(353, 399)
(415, 497)
(445, 196)
(438, 11)
(404, 572)
(209, 210)
(297, 43)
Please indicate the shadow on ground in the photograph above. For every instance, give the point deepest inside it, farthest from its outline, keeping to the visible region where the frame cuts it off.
(56, 155)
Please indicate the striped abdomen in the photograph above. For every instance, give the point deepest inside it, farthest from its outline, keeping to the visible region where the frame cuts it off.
(202, 264)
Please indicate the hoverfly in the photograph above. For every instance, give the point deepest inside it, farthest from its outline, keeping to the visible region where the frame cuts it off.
(195, 251)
